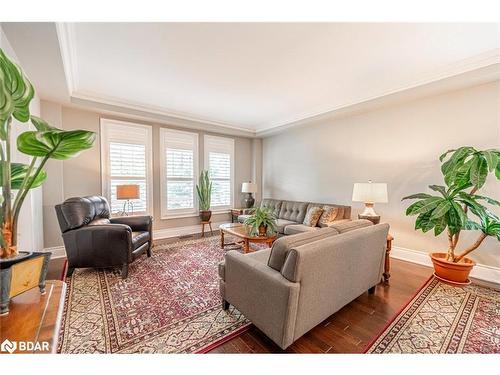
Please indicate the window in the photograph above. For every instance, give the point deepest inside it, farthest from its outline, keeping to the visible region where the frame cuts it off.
(179, 171)
(219, 161)
(126, 160)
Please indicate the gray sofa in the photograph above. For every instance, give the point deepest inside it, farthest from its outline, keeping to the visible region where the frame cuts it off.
(291, 214)
(303, 279)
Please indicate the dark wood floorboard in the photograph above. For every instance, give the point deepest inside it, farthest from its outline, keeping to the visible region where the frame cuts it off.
(347, 331)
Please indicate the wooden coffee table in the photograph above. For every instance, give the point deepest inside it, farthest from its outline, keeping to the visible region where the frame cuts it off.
(240, 231)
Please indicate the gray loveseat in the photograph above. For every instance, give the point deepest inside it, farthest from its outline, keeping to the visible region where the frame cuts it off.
(291, 214)
(303, 279)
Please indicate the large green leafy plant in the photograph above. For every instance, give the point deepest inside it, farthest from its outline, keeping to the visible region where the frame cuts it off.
(458, 206)
(44, 143)
(204, 190)
(262, 217)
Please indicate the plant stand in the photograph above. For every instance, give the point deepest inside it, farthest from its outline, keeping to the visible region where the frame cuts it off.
(20, 274)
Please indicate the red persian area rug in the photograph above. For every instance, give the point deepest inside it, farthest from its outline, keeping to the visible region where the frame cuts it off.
(170, 303)
(443, 318)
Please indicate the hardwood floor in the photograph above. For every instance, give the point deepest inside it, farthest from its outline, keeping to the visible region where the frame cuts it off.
(347, 331)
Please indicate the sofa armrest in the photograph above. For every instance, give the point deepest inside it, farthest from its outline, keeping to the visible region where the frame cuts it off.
(99, 245)
(137, 223)
(263, 295)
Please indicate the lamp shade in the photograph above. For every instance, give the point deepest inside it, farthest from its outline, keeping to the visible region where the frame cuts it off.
(248, 187)
(127, 192)
(369, 192)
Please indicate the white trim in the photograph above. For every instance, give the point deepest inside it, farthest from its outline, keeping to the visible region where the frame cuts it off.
(67, 44)
(57, 252)
(104, 141)
(480, 271)
(183, 231)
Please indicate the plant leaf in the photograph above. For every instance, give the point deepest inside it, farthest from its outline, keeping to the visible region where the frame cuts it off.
(42, 125)
(487, 199)
(429, 204)
(56, 144)
(491, 159)
(441, 158)
(18, 174)
(478, 172)
(472, 225)
(439, 188)
(440, 226)
(441, 209)
(417, 196)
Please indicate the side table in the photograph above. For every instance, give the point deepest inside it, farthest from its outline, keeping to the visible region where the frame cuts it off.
(387, 265)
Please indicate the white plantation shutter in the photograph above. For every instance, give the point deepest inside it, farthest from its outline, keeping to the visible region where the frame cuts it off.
(126, 159)
(219, 161)
(179, 171)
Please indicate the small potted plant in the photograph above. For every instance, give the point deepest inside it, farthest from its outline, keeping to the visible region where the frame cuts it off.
(465, 171)
(204, 190)
(262, 222)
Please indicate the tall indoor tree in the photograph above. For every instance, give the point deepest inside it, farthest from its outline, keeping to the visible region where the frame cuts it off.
(42, 144)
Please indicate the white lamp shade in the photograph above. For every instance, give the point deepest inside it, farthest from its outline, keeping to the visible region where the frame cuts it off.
(248, 187)
(369, 192)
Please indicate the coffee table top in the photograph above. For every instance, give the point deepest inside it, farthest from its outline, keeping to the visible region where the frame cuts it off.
(240, 230)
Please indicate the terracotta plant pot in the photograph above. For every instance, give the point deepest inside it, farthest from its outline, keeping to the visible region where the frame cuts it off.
(205, 215)
(262, 230)
(454, 272)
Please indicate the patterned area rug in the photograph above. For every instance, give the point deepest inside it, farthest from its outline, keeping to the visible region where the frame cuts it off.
(170, 303)
(443, 318)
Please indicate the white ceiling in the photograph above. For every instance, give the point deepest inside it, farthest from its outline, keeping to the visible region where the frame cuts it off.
(257, 76)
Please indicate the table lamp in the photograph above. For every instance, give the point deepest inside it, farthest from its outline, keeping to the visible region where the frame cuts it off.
(249, 188)
(369, 193)
(127, 193)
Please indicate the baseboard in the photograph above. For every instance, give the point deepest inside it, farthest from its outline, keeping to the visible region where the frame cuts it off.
(480, 271)
(183, 231)
(57, 252)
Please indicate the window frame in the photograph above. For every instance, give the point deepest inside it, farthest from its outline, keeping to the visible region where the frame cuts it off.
(105, 141)
(225, 145)
(180, 212)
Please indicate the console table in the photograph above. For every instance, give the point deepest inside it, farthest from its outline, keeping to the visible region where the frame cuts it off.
(35, 318)
(387, 265)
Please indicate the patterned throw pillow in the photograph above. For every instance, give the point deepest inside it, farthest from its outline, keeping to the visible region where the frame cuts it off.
(329, 215)
(312, 216)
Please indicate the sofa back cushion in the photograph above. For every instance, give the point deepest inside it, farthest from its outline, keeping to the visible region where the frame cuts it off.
(347, 226)
(282, 245)
(293, 211)
(76, 212)
(273, 205)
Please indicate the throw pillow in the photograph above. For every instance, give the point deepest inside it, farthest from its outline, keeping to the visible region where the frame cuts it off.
(312, 216)
(328, 217)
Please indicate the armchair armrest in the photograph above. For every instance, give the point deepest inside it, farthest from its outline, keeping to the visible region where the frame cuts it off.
(137, 223)
(248, 211)
(99, 245)
(263, 295)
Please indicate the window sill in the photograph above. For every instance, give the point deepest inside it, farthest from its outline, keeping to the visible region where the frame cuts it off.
(182, 216)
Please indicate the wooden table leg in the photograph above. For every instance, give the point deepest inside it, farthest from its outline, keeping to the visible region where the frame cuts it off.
(222, 239)
(387, 265)
(246, 246)
(211, 231)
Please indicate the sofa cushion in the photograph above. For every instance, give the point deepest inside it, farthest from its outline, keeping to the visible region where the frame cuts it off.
(299, 228)
(242, 218)
(282, 245)
(272, 205)
(312, 216)
(348, 225)
(262, 256)
(328, 216)
(282, 224)
(139, 238)
(294, 211)
(100, 222)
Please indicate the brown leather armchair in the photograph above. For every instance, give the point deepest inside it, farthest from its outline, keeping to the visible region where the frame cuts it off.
(93, 239)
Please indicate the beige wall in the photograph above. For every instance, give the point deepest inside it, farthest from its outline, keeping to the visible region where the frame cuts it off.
(399, 145)
(82, 175)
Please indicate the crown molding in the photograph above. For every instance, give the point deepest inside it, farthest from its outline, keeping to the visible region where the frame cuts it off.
(468, 78)
(67, 45)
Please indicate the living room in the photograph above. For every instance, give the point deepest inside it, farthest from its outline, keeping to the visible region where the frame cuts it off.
(250, 187)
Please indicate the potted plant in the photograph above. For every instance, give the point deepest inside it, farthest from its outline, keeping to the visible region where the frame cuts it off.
(458, 207)
(204, 190)
(42, 144)
(262, 222)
